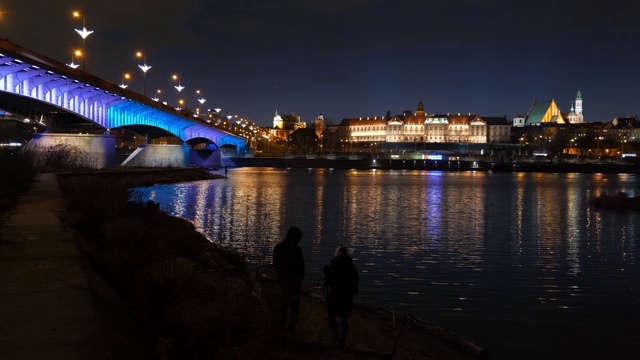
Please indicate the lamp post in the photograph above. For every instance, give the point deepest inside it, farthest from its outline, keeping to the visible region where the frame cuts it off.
(157, 98)
(520, 148)
(622, 147)
(571, 145)
(84, 33)
(540, 143)
(201, 100)
(72, 65)
(125, 76)
(144, 67)
(179, 87)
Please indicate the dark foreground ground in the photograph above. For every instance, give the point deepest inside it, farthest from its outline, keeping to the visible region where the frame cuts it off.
(55, 305)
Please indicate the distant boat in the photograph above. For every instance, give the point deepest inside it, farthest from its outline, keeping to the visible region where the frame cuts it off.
(620, 201)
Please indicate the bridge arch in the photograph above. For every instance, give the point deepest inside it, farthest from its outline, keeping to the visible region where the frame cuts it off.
(34, 76)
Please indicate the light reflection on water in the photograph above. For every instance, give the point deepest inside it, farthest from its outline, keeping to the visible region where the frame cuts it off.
(518, 262)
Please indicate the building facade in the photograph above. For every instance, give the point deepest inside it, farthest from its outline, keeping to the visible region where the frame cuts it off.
(421, 127)
(285, 124)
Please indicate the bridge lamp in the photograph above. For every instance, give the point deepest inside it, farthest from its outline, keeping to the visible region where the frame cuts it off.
(84, 33)
(72, 65)
(179, 87)
(125, 76)
(144, 67)
(157, 98)
(180, 103)
(201, 100)
(217, 110)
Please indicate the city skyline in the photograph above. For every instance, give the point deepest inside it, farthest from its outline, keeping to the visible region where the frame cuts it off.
(352, 58)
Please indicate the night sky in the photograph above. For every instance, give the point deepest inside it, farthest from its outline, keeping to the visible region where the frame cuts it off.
(351, 58)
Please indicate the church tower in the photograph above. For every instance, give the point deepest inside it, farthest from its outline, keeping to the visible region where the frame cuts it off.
(420, 110)
(278, 122)
(578, 108)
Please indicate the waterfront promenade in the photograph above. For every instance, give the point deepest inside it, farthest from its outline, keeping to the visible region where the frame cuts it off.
(47, 308)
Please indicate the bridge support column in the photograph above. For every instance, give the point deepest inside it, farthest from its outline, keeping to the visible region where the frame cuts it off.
(152, 155)
(76, 150)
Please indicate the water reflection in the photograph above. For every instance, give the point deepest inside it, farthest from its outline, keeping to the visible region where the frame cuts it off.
(516, 252)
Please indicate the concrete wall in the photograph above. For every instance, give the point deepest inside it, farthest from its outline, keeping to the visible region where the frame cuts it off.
(151, 155)
(80, 150)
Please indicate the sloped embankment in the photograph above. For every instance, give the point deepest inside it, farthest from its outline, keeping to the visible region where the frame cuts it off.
(181, 296)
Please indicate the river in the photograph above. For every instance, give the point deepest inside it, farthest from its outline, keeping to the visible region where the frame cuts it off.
(518, 263)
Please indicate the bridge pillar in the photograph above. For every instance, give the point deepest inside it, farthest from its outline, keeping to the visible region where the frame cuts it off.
(152, 155)
(79, 150)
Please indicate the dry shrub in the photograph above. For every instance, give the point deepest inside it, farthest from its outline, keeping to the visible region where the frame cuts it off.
(60, 156)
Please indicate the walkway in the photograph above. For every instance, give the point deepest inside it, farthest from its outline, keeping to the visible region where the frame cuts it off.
(46, 304)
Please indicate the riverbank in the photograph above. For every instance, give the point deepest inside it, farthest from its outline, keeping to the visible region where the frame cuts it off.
(161, 290)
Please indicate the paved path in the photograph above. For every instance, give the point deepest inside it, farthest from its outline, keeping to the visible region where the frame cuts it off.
(46, 304)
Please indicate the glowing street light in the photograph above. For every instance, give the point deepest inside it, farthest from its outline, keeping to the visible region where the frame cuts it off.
(84, 33)
(180, 103)
(179, 87)
(125, 76)
(201, 100)
(144, 67)
(157, 98)
(72, 65)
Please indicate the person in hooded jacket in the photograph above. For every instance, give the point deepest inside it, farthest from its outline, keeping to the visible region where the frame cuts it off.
(341, 284)
(289, 264)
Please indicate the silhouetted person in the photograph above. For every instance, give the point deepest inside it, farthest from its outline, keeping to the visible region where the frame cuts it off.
(226, 171)
(289, 264)
(341, 283)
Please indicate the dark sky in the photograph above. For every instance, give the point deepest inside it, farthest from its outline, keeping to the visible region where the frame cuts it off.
(350, 58)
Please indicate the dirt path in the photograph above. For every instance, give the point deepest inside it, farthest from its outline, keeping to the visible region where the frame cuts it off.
(46, 304)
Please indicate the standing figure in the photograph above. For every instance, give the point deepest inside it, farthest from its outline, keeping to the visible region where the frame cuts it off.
(289, 265)
(341, 283)
(226, 171)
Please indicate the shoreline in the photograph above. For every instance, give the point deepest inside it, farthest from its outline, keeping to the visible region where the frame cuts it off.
(398, 336)
(436, 165)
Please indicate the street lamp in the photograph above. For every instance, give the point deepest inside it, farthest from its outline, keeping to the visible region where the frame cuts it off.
(179, 87)
(571, 145)
(622, 147)
(157, 98)
(180, 103)
(539, 143)
(201, 100)
(72, 65)
(144, 67)
(124, 76)
(520, 149)
(84, 33)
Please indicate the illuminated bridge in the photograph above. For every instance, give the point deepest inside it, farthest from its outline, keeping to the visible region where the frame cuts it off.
(33, 82)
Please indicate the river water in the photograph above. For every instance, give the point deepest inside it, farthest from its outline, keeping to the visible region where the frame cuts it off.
(519, 263)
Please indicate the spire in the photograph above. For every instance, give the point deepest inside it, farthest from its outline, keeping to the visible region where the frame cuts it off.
(276, 112)
(420, 110)
(579, 95)
(572, 109)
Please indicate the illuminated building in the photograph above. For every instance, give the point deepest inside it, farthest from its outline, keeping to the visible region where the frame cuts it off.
(285, 124)
(548, 112)
(421, 127)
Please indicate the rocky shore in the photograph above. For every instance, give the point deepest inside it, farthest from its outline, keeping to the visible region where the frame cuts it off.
(164, 291)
